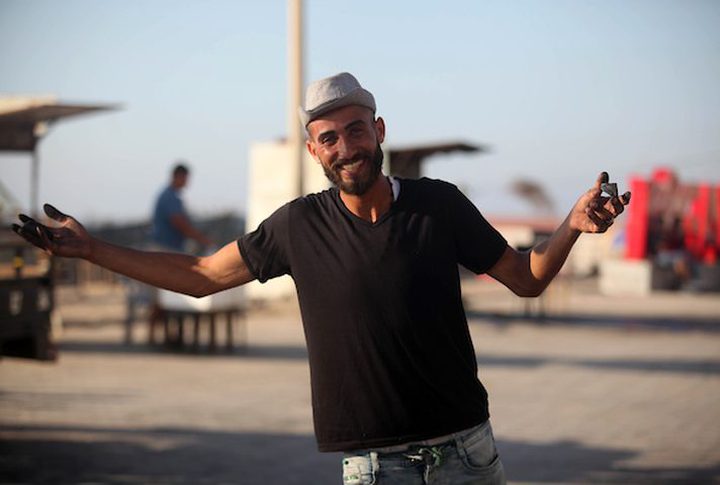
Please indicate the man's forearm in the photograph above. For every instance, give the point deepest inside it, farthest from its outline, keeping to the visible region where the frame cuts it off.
(548, 257)
(177, 272)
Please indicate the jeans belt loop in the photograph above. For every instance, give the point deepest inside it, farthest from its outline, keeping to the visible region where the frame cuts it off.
(374, 462)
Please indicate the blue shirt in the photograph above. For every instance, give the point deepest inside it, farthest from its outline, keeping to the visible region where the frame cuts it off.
(164, 233)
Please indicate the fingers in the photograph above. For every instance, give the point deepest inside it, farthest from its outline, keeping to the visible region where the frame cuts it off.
(17, 230)
(604, 207)
(617, 206)
(594, 218)
(601, 221)
(45, 236)
(33, 232)
(602, 211)
(602, 179)
(29, 232)
(54, 214)
(40, 235)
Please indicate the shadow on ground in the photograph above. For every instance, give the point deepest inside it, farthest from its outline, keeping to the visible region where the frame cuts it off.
(572, 462)
(683, 366)
(44, 455)
(282, 352)
(629, 322)
(296, 352)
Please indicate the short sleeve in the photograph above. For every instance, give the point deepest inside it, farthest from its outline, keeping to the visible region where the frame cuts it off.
(175, 206)
(265, 250)
(479, 245)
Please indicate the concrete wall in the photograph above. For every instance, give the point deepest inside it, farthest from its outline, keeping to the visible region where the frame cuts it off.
(625, 277)
(587, 256)
(272, 183)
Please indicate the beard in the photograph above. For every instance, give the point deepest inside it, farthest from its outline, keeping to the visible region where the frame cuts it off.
(361, 184)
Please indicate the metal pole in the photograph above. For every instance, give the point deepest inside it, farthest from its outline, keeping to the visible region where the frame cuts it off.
(295, 86)
(34, 183)
(39, 130)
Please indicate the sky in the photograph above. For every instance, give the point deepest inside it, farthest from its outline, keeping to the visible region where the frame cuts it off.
(559, 90)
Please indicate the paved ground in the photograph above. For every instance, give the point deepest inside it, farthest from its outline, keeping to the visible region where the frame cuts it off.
(600, 391)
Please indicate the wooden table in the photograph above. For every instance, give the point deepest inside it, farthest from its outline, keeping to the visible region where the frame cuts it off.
(174, 328)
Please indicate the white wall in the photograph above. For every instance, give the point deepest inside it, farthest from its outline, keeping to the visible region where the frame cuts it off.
(272, 183)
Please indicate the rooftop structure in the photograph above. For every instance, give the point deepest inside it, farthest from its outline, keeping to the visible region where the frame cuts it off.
(24, 120)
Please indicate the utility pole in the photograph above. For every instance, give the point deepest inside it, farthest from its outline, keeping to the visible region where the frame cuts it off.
(295, 136)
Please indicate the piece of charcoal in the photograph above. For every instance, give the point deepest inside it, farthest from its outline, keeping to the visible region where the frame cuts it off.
(609, 189)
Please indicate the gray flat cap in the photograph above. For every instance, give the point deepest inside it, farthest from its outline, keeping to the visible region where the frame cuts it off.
(332, 93)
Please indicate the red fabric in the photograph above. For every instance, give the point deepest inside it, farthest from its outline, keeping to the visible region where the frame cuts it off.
(637, 226)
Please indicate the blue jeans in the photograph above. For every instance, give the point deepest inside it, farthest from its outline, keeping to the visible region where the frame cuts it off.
(468, 457)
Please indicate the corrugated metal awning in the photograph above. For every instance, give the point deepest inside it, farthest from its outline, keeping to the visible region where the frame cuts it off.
(23, 120)
(406, 162)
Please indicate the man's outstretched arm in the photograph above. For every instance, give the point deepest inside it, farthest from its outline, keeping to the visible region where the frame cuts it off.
(528, 273)
(196, 276)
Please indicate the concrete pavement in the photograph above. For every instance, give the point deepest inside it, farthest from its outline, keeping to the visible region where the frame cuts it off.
(599, 391)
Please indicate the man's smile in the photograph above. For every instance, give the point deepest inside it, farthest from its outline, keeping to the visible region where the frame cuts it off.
(352, 168)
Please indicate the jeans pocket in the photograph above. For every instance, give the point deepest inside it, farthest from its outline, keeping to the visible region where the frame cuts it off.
(358, 470)
(478, 450)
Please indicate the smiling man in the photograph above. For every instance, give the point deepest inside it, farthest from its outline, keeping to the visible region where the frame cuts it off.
(331, 143)
(375, 263)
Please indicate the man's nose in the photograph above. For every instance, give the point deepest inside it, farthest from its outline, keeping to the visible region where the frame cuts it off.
(345, 149)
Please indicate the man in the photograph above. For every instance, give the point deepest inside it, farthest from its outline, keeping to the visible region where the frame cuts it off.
(375, 262)
(171, 224)
(171, 229)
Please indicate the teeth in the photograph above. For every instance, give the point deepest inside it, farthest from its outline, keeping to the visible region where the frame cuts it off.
(352, 166)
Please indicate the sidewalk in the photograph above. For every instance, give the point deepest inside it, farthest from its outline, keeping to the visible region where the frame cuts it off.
(596, 392)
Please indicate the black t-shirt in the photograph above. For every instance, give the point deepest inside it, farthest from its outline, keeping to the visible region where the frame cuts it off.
(391, 359)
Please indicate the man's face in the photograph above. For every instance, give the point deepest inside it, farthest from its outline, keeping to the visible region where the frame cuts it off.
(180, 180)
(346, 142)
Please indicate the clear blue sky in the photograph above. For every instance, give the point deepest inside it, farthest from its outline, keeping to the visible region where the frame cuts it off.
(559, 89)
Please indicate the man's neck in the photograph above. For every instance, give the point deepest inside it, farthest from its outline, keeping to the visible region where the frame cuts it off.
(372, 204)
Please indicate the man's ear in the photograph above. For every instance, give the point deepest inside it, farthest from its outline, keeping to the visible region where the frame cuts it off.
(380, 129)
(310, 145)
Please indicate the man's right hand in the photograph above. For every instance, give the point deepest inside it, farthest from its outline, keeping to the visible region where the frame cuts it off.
(69, 239)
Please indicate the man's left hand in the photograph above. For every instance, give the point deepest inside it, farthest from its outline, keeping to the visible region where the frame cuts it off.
(595, 212)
